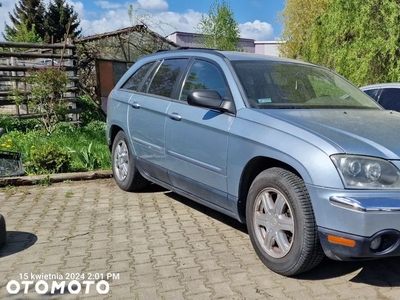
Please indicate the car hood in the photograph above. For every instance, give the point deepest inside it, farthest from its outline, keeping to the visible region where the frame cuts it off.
(365, 132)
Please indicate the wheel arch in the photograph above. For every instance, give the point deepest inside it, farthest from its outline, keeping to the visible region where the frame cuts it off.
(254, 167)
(113, 131)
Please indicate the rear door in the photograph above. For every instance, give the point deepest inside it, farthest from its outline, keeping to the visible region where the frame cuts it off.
(146, 115)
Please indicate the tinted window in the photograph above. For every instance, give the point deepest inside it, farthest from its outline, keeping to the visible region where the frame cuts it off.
(204, 76)
(390, 99)
(372, 94)
(164, 81)
(134, 81)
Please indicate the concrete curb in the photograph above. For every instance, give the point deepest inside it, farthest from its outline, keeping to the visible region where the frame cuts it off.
(31, 180)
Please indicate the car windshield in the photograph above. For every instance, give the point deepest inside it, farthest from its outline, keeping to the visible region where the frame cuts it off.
(291, 85)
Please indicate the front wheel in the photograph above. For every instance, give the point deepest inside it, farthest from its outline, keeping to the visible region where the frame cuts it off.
(281, 223)
(126, 175)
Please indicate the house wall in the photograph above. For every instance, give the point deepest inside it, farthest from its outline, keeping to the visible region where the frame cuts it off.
(267, 47)
(187, 39)
(247, 45)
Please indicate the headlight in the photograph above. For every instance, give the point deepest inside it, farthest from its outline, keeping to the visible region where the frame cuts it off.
(362, 172)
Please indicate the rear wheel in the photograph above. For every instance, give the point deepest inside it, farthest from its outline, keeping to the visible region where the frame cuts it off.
(281, 223)
(126, 175)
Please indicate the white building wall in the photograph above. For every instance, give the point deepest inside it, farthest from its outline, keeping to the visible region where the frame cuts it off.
(187, 39)
(267, 47)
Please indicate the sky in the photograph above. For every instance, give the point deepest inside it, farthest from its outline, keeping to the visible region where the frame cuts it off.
(257, 19)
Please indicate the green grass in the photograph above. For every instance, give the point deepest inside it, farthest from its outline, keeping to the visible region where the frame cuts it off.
(82, 148)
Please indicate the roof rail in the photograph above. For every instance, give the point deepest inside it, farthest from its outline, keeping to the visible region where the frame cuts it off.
(195, 48)
(186, 48)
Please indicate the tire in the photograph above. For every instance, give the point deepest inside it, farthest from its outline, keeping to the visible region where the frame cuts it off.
(3, 237)
(281, 223)
(126, 175)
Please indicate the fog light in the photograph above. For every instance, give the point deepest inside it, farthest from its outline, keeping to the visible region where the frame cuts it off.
(376, 243)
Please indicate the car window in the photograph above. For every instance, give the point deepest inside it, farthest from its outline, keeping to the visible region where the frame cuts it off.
(273, 84)
(134, 81)
(390, 99)
(165, 79)
(372, 93)
(291, 85)
(204, 75)
(325, 86)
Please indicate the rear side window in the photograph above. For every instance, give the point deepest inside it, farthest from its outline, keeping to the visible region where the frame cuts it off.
(165, 79)
(134, 81)
(390, 99)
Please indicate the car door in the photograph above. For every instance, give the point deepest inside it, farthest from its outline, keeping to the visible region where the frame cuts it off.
(197, 138)
(146, 116)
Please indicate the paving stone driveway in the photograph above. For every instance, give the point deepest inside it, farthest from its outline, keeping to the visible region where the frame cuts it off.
(90, 240)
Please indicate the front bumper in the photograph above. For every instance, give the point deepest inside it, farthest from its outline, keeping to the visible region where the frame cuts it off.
(356, 212)
(358, 218)
(367, 204)
(389, 245)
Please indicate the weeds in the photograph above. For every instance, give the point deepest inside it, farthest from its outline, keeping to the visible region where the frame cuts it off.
(89, 161)
(45, 181)
(69, 194)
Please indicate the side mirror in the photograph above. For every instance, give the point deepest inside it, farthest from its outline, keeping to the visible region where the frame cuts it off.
(210, 99)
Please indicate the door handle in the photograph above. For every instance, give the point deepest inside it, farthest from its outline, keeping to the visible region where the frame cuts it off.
(135, 105)
(175, 116)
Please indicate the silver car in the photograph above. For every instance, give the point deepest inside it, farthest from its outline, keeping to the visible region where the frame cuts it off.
(308, 161)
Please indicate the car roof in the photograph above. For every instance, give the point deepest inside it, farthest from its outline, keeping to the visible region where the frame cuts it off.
(230, 55)
(395, 85)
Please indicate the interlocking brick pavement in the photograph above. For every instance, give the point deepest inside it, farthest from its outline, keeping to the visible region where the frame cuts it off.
(153, 245)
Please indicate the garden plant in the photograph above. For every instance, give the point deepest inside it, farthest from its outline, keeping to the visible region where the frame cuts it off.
(69, 148)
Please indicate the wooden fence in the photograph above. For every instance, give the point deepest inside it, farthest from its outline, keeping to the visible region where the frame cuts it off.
(18, 59)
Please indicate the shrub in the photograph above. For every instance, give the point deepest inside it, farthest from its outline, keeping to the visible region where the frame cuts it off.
(89, 111)
(84, 147)
(49, 158)
(96, 126)
(46, 88)
(23, 125)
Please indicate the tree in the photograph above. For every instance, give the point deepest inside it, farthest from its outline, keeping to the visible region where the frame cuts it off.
(27, 15)
(297, 19)
(359, 39)
(219, 28)
(51, 25)
(61, 19)
(25, 35)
